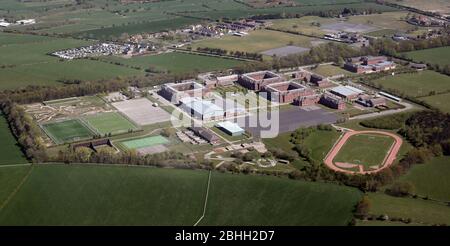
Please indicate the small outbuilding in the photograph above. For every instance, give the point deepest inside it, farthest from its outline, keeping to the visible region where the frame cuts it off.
(230, 128)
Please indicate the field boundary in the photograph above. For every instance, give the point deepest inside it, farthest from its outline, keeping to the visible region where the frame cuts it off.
(206, 200)
(14, 192)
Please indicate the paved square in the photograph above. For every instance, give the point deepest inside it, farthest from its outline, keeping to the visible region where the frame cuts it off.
(142, 112)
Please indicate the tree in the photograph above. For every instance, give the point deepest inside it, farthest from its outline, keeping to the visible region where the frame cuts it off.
(400, 189)
(363, 208)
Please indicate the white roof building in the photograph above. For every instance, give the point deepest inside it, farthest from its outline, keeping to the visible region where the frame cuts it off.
(201, 109)
(230, 128)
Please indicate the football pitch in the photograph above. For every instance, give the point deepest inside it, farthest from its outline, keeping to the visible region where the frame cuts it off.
(367, 150)
(145, 142)
(67, 131)
(111, 122)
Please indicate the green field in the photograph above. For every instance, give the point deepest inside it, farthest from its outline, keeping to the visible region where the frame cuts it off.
(67, 131)
(330, 70)
(28, 62)
(416, 84)
(10, 178)
(112, 122)
(256, 41)
(145, 142)
(93, 195)
(177, 62)
(431, 179)
(438, 56)
(364, 149)
(418, 210)
(10, 152)
(439, 101)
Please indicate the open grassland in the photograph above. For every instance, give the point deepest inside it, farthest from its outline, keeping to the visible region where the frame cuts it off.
(416, 84)
(67, 131)
(438, 56)
(177, 62)
(364, 149)
(431, 179)
(441, 6)
(418, 210)
(10, 178)
(439, 101)
(10, 151)
(386, 20)
(256, 41)
(27, 62)
(309, 25)
(320, 142)
(274, 201)
(95, 195)
(330, 70)
(110, 123)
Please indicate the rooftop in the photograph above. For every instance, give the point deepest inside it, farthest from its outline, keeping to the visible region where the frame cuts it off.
(230, 126)
(347, 90)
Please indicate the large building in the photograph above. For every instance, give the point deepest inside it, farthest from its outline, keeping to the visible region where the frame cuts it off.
(369, 64)
(173, 92)
(206, 134)
(258, 80)
(347, 92)
(286, 92)
(307, 100)
(332, 101)
(201, 109)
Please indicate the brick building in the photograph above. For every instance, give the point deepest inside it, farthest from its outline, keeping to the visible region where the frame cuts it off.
(258, 80)
(173, 92)
(332, 101)
(286, 92)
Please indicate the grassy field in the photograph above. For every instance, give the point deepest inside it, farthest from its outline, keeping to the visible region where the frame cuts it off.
(320, 143)
(441, 6)
(10, 152)
(364, 149)
(256, 41)
(433, 56)
(28, 62)
(416, 84)
(439, 101)
(177, 62)
(419, 211)
(330, 70)
(145, 142)
(95, 195)
(268, 200)
(67, 131)
(431, 179)
(387, 20)
(10, 178)
(110, 123)
(306, 25)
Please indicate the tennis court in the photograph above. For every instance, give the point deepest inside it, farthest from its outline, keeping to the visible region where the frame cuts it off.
(145, 142)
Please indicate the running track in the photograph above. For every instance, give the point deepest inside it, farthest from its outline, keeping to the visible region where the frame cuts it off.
(388, 160)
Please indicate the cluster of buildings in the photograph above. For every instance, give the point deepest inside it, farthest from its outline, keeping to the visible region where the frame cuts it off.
(237, 28)
(369, 64)
(349, 38)
(102, 49)
(422, 20)
(5, 23)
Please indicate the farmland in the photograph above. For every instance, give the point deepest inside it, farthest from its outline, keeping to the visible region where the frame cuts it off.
(418, 210)
(177, 62)
(10, 152)
(441, 6)
(90, 195)
(416, 84)
(437, 56)
(256, 41)
(438, 101)
(27, 62)
(431, 179)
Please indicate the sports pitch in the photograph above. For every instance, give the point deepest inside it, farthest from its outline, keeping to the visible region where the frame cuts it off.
(365, 149)
(111, 122)
(145, 142)
(67, 131)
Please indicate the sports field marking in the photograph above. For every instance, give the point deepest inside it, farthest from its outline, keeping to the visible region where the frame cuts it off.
(145, 142)
(110, 122)
(388, 159)
(67, 131)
